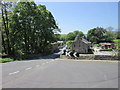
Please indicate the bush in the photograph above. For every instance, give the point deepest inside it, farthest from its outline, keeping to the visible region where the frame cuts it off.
(69, 44)
(3, 60)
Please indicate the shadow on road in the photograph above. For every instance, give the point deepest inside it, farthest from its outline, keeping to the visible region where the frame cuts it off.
(38, 57)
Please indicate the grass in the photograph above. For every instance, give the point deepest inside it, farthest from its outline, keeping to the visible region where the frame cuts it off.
(4, 60)
(117, 42)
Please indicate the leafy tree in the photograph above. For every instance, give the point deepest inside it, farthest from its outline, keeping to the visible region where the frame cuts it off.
(29, 29)
(118, 35)
(97, 35)
(110, 34)
(63, 37)
(72, 35)
(80, 33)
(5, 13)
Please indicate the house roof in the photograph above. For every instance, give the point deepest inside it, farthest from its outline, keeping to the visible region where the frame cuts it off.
(85, 41)
(81, 38)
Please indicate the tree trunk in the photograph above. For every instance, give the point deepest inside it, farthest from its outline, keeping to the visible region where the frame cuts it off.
(5, 22)
(3, 42)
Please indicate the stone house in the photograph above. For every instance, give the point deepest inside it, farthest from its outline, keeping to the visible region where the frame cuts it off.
(81, 45)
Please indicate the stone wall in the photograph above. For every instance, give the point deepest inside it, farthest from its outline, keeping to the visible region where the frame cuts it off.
(106, 57)
(92, 57)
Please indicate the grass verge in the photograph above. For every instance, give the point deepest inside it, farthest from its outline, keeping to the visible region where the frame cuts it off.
(4, 60)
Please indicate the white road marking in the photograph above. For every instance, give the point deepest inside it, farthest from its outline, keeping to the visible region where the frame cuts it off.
(14, 73)
(37, 65)
(47, 62)
(43, 63)
(28, 68)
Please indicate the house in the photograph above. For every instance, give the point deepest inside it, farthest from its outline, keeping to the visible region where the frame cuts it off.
(81, 45)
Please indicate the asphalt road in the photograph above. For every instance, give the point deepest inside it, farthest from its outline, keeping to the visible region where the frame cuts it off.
(52, 73)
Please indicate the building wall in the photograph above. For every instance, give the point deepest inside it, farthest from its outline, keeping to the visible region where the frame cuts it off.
(80, 47)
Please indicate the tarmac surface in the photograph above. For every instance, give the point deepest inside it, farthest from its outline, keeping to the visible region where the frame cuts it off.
(60, 73)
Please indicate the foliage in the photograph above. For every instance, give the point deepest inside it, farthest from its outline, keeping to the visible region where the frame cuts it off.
(117, 42)
(63, 37)
(72, 35)
(97, 35)
(117, 34)
(30, 29)
(69, 44)
(5, 13)
(4, 60)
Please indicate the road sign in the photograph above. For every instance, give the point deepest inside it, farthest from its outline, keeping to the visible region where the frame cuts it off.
(76, 54)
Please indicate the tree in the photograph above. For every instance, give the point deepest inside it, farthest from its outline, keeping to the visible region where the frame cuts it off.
(97, 35)
(5, 13)
(63, 37)
(29, 29)
(72, 35)
(81, 34)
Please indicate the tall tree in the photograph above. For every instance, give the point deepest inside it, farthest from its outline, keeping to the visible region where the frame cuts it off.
(97, 35)
(72, 35)
(5, 12)
(32, 27)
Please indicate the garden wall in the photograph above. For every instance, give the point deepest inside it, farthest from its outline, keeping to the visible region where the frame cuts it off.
(92, 57)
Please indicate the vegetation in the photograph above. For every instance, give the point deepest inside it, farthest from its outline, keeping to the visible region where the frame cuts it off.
(117, 43)
(27, 28)
(97, 35)
(72, 35)
(4, 60)
(63, 37)
(69, 43)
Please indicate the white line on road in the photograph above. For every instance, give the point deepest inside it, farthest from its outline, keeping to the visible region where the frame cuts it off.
(43, 63)
(28, 68)
(37, 65)
(14, 72)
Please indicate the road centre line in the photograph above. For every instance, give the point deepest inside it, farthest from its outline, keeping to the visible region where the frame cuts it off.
(28, 68)
(14, 73)
(43, 63)
(37, 65)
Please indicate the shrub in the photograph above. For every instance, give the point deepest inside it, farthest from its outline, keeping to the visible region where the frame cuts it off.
(69, 44)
